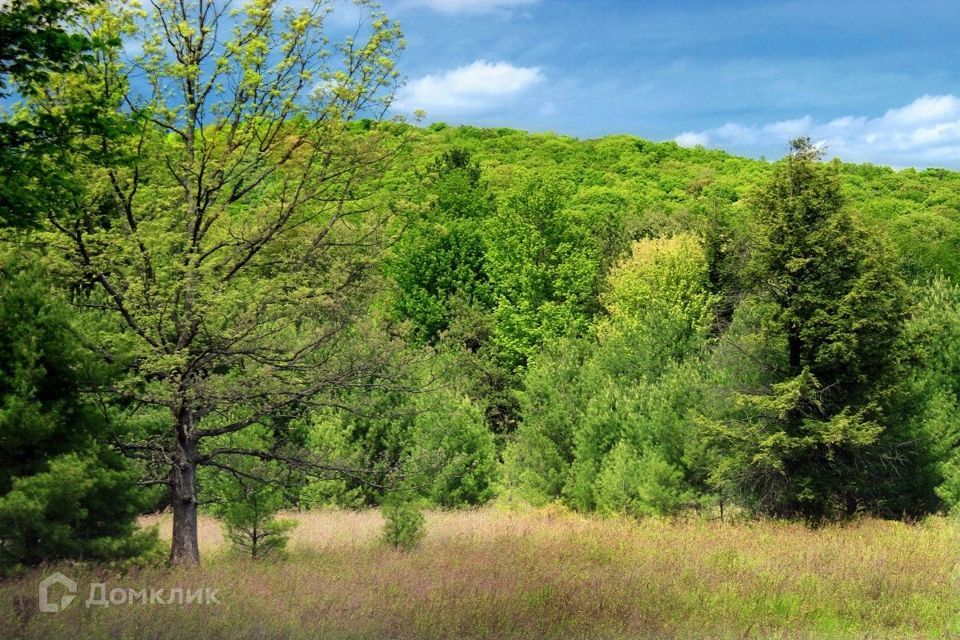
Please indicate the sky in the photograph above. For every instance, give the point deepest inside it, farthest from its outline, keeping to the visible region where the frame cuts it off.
(872, 80)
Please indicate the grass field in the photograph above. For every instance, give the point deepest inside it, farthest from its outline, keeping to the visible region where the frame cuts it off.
(537, 574)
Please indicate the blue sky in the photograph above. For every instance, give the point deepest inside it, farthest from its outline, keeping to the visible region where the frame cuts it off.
(875, 80)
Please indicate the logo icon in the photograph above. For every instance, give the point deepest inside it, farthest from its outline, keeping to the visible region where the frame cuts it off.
(47, 583)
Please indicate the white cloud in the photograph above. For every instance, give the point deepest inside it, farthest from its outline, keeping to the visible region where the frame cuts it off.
(467, 6)
(478, 86)
(692, 139)
(925, 109)
(924, 133)
(738, 132)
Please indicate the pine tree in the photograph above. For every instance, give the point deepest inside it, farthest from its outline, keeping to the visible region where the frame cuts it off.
(63, 492)
(812, 441)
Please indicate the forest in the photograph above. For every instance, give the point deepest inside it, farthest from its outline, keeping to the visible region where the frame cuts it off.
(234, 287)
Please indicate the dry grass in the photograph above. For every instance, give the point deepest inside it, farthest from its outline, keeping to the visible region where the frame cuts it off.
(543, 574)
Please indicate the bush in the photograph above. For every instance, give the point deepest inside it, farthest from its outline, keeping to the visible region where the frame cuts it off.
(404, 522)
(638, 485)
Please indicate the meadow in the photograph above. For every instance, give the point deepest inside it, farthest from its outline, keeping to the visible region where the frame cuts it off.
(548, 573)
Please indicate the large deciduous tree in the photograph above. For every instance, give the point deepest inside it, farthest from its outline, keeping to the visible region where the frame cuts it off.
(223, 257)
(441, 257)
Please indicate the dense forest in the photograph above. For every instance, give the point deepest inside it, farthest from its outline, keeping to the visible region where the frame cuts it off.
(231, 283)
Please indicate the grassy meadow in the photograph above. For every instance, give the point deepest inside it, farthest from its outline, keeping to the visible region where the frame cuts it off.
(497, 573)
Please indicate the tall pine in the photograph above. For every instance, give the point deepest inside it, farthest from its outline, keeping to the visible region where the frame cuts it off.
(811, 440)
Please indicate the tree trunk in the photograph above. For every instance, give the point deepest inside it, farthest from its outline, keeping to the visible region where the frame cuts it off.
(851, 504)
(794, 346)
(184, 547)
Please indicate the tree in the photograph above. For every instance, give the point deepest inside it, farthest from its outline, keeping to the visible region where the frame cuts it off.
(552, 402)
(547, 253)
(232, 247)
(662, 288)
(404, 524)
(82, 505)
(63, 493)
(929, 403)
(645, 378)
(371, 431)
(248, 497)
(605, 421)
(439, 262)
(452, 443)
(40, 39)
(809, 441)
(435, 442)
(36, 39)
(629, 484)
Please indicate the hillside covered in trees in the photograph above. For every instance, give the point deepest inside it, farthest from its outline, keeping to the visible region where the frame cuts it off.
(659, 328)
(232, 285)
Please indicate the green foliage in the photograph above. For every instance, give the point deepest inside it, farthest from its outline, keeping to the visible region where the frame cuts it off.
(437, 441)
(605, 420)
(374, 437)
(472, 359)
(36, 38)
(403, 526)
(660, 294)
(838, 298)
(453, 452)
(82, 506)
(62, 493)
(43, 374)
(332, 441)
(248, 500)
(43, 44)
(662, 275)
(546, 260)
(930, 242)
(929, 406)
(633, 485)
(810, 441)
(813, 468)
(552, 403)
(441, 256)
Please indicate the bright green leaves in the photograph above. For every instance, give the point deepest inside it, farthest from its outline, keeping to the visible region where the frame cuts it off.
(546, 258)
(606, 420)
(663, 288)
